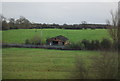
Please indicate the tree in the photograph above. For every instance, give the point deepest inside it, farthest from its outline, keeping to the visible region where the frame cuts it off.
(12, 23)
(4, 23)
(115, 32)
(84, 23)
(114, 26)
(118, 38)
(65, 25)
(23, 23)
(118, 33)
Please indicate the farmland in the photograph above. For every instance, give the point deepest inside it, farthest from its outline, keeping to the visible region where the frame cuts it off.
(35, 63)
(20, 35)
(31, 63)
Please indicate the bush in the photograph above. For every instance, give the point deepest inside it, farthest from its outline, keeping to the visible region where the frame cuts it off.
(81, 46)
(116, 46)
(102, 66)
(27, 41)
(106, 44)
(95, 45)
(105, 66)
(77, 45)
(87, 44)
(36, 40)
(81, 70)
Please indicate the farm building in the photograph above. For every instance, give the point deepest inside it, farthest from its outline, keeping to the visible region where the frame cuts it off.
(58, 40)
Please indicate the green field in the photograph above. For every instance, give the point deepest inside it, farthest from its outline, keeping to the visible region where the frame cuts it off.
(35, 63)
(31, 63)
(20, 35)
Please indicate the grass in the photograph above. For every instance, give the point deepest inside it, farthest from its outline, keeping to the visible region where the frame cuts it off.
(20, 35)
(35, 63)
(31, 63)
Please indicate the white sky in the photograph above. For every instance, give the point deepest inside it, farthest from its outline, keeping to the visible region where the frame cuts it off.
(59, 0)
(60, 12)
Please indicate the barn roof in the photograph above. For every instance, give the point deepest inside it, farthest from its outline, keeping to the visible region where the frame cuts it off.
(60, 37)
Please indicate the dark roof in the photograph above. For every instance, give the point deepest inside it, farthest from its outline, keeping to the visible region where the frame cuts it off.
(60, 37)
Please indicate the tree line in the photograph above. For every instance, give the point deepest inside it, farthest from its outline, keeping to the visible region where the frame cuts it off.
(11, 23)
(24, 23)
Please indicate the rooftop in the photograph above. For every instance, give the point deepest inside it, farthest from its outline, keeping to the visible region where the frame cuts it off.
(60, 37)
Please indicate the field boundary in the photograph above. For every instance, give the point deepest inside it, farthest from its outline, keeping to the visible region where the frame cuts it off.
(37, 46)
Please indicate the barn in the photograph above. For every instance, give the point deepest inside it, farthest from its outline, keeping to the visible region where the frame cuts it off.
(58, 40)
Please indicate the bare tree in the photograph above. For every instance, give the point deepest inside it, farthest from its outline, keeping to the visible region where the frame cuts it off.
(105, 66)
(114, 26)
(118, 33)
(81, 71)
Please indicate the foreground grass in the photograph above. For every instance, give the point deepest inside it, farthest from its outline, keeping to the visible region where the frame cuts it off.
(30, 63)
(20, 35)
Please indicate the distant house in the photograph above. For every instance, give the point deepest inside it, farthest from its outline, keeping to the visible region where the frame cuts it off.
(58, 40)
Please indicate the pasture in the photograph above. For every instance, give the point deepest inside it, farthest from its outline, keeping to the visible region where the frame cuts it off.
(20, 35)
(35, 63)
(31, 63)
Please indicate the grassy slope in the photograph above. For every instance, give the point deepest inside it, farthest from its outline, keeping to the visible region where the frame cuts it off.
(19, 36)
(26, 63)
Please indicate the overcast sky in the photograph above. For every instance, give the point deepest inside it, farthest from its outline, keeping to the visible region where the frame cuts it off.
(60, 12)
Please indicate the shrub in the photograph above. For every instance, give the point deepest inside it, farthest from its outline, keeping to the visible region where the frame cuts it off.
(27, 41)
(106, 44)
(95, 45)
(105, 66)
(77, 45)
(81, 46)
(87, 44)
(116, 46)
(81, 70)
(36, 40)
(92, 45)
